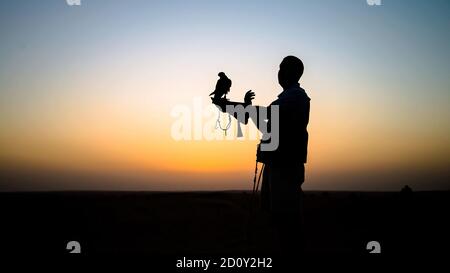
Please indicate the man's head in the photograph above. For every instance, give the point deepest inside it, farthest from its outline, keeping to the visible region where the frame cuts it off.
(291, 69)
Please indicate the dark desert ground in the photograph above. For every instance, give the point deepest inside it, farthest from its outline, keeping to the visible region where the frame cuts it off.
(216, 223)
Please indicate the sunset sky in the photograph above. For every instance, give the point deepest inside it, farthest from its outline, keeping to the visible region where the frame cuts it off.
(87, 92)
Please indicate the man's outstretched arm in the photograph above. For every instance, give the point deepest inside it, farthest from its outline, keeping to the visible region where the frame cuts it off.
(222, 103)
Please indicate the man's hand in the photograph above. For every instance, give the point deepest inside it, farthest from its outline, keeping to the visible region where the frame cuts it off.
(249, 96)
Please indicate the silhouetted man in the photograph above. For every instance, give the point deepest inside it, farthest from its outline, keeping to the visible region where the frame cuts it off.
(284, 170)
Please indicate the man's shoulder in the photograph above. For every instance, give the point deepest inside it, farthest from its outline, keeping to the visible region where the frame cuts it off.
(297, 97)
(303, 94)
